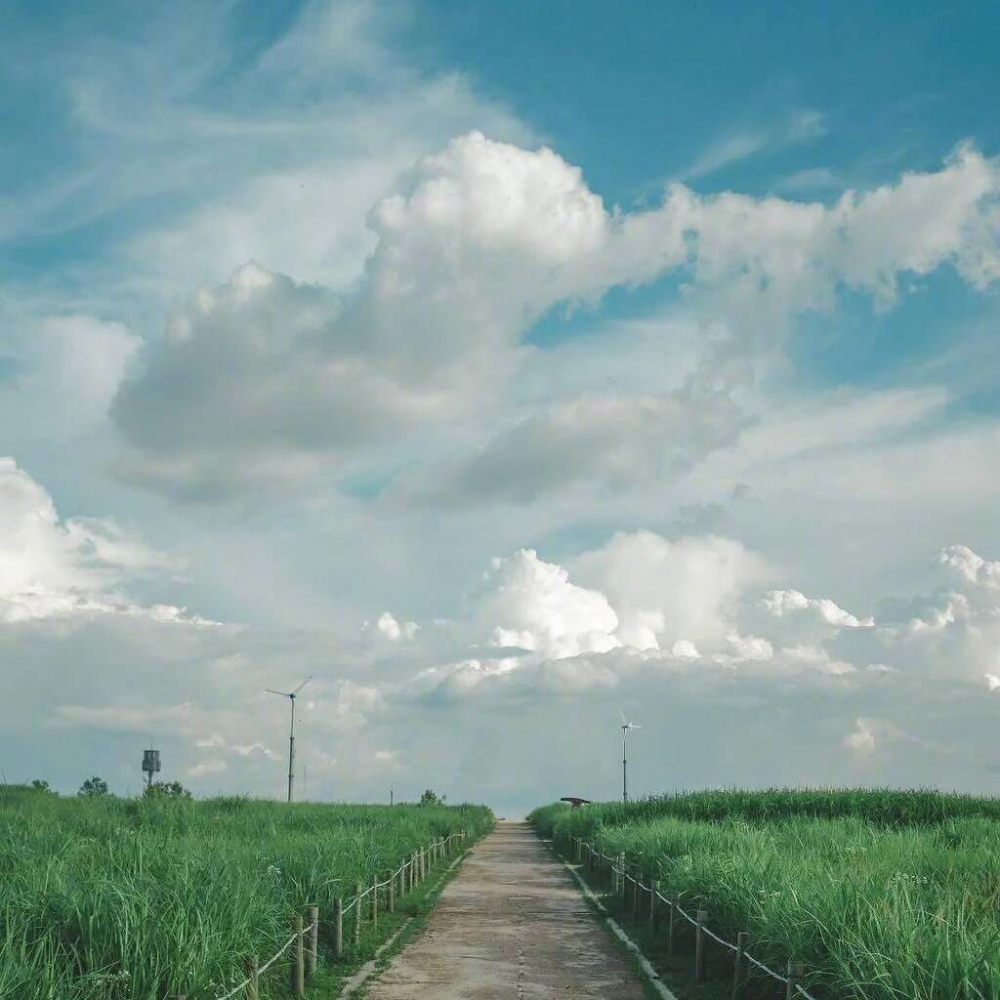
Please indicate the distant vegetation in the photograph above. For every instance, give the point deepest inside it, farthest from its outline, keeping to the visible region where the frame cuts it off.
(93, 788)
(119, 899)
(885, 895)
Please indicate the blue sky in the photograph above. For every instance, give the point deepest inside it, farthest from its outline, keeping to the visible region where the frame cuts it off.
(499, 361)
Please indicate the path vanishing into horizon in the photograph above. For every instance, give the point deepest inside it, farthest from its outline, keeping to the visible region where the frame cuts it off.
(512, 925)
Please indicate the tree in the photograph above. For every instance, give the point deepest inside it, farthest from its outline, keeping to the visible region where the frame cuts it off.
(166, 790)
(431, 798)
(40, 785)
(93, 788)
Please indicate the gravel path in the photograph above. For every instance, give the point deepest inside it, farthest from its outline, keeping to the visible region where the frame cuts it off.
(511, 926)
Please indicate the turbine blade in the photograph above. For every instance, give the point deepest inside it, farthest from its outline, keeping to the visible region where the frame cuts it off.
(284, 694)
(621, 715)
(302, 685)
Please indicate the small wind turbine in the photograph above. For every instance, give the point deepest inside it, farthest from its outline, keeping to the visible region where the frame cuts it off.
(626, 726)
(290, 695)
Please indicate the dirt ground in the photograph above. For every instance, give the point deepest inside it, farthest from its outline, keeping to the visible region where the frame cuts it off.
(511, 926)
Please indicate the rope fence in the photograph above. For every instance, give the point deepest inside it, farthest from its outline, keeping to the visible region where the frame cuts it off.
(304, 941)
(619, 877)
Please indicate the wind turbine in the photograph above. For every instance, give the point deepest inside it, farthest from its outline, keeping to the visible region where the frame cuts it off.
(290, 695)
(626, 726)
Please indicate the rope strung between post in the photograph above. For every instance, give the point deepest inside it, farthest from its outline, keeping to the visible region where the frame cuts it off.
(715, 937)
(347, 909)
(617, 870)
(235, 990)
(764, 968)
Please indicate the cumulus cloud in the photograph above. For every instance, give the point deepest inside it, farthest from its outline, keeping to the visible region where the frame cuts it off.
(387, 626)
(665, 592)
(970, 567)
(50, 568)
(529, 604)
(643, 605)
(788, 602)
(264, 378)
(957, 630)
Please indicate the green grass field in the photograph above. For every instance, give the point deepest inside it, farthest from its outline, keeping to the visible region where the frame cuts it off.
(882, 894)
(112, 899)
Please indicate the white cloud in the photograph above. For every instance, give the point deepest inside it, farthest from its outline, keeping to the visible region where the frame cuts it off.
(683, 649)
(750, 647)
(393, 630)
(278, 377)
(873, 735)
(970, 567)
(531, 605)
(668, 591)
(214, 766)
(948, 610)
(796, 127)
(54, 569)
(782, 602)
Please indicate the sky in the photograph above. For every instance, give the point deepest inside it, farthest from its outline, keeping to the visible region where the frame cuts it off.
(501, 368)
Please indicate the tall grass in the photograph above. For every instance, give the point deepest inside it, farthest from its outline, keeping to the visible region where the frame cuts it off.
(889, 897)
(113, 899)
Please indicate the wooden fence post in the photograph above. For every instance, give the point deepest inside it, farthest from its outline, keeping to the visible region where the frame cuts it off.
(253, 975)
(402, 881)
(579, 850)
(635, 898)
(699, 946)
(390, 892)
(742, 943)
(654, 910)
(358, 903)
(674, 898)
(338, 928)
(312, 954)
(375, 903)
(298, 958)
(622, 884)
(794, 975)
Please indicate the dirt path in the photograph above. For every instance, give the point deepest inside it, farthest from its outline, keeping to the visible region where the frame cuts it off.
(511, 926)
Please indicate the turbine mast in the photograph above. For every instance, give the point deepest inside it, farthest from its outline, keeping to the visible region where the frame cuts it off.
(290, 695)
